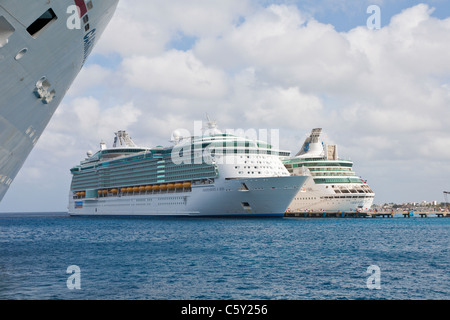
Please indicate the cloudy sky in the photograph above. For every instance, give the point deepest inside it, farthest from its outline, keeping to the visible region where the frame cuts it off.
(382, 95)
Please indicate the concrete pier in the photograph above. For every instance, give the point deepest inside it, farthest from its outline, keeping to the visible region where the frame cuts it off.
(358, 214)
(326, 214)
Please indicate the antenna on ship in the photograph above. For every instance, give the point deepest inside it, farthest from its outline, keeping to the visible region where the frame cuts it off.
(211, 127)
(102, 145)
(211, 124)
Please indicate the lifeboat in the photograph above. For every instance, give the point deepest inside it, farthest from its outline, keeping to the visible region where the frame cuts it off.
(155, 187)
(135, 189)
(114, 191)
(171, 186)
(141, 189)
(148, 188)
(129, 189)
(186, 185)
(178, 186)
(123, 190)
(163, 187)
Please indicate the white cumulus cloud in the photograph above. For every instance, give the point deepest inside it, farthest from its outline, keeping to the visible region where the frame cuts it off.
(381, 95)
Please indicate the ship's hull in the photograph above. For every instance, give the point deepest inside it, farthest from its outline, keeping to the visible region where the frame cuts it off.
(335, 205)
(260, 197)
(38, 68)
(316, 197)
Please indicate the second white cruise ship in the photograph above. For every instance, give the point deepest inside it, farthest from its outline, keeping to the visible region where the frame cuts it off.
(332, 185)
(210, 175)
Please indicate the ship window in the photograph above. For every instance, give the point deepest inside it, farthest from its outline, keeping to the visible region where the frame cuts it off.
(43, 21)
(6, 30)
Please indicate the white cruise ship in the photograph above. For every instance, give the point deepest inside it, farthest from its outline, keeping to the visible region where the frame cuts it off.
(211, 175)
(332, 185)
(43, 46)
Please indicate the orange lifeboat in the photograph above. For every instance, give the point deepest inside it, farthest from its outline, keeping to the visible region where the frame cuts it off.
(129, 189)
(186, 185)
(141, 189)
(155, 187)
(163, 187)
(114, 191)
(148, 188)
(171, 186)
(178, 186)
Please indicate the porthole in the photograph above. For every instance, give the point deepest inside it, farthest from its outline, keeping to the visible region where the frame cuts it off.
(21, 53)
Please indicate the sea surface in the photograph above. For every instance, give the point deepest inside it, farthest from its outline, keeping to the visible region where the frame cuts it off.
(223, 258)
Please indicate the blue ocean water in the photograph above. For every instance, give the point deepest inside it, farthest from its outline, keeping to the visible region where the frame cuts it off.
(223, 258)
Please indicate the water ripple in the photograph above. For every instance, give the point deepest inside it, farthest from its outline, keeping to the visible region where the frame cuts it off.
(287, 259)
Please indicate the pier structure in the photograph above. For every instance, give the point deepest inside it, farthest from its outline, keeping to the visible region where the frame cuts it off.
(326, 214)
(363, 214)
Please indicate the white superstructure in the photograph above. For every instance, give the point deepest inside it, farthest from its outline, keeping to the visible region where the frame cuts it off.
(332, 185)
(211, 175)
(43, 46)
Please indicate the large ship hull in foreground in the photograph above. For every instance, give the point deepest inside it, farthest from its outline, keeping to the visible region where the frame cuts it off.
(213, 175)
(43, 46)
(332, 185)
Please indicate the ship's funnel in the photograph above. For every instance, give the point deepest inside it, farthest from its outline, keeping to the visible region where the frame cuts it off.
(313, 146)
